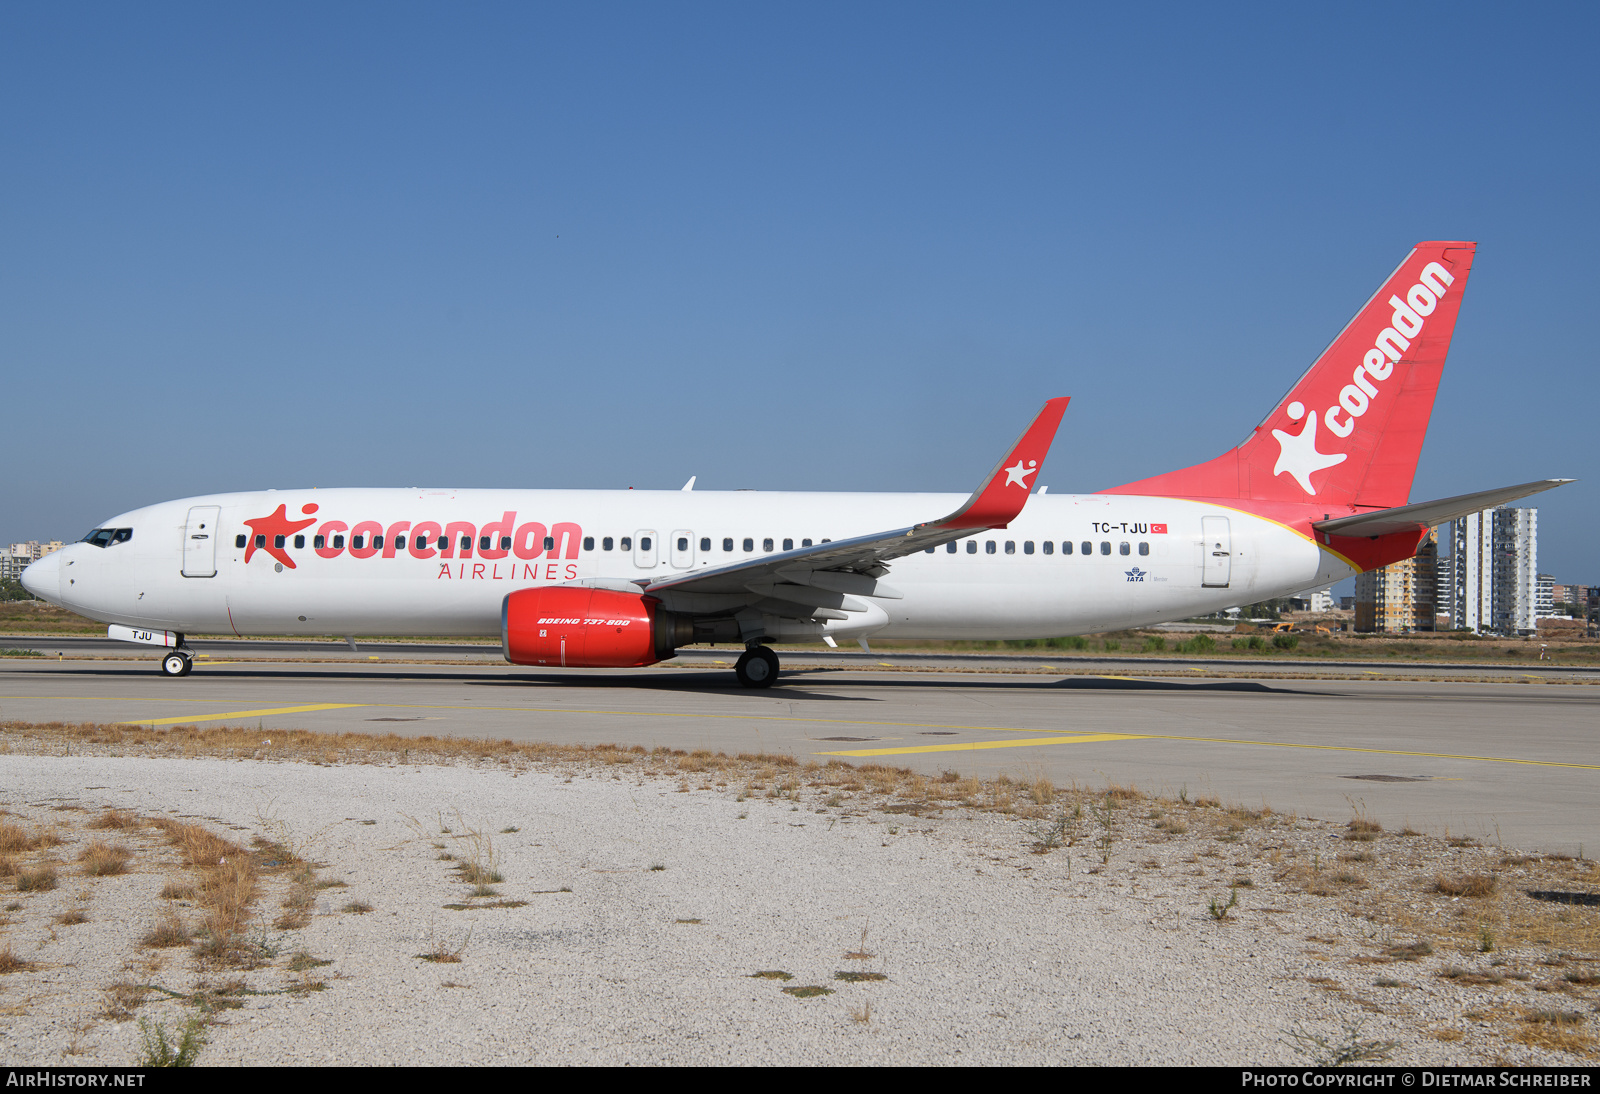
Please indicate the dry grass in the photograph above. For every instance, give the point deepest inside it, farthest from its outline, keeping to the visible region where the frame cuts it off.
(169, 931)
(1363, 829)
(122, 999)
(13, 838)
(115, 818)
(36, 879)
(101, 859)
(10, 962)
(1559, 1030)
(1472, 885)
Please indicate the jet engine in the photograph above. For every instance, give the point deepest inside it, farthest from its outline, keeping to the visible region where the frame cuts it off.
(573, 626)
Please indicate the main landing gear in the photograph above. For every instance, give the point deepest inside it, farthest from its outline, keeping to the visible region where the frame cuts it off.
(757, 667)
(177, 663)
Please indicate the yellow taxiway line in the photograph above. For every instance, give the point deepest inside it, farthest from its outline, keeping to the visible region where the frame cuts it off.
(974, 746)
(188, 718)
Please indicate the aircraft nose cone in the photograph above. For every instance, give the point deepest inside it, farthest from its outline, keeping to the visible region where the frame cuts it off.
(43, 578)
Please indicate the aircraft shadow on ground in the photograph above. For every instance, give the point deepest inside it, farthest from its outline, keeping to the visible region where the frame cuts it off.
(791, 685)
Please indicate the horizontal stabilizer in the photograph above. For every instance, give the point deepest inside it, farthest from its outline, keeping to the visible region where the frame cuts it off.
(1430, 514)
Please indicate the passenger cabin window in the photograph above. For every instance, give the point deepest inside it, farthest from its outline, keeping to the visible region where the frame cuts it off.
(1088, 548)
(705, 543)
(1050, 547)
(505, 543)
(683, 543)
(466, 544)
(261, 541)
(278, 541)
(950, 548)
(421, 542)
(627, 543)
(972, 546)
(929, 551)
(727, 544)
(399, 543)
(1144, 548)
(1123, 548)
(338, 542)
(319, 542)
(240, 541)
(377, 542)
(988, 547)
(1027, 546)
(1105, 547)
(766, 545)
(483, 543)
(605, 543)
(549, 543)
(788, 545)
(805, 543)
(1011, 546)
(644, 543)
(356, 542)
(749, 545)
(588, 543)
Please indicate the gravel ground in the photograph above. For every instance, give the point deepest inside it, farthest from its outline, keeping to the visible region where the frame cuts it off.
(637, 904)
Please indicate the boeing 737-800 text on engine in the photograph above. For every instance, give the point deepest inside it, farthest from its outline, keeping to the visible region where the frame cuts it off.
(581, 578)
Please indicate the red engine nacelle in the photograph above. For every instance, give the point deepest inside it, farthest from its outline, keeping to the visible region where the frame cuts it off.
(576, 627)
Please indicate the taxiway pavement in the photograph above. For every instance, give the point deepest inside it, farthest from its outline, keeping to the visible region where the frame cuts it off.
(1494, 759)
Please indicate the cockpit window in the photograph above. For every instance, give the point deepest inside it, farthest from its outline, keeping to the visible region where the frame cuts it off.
(104, 537)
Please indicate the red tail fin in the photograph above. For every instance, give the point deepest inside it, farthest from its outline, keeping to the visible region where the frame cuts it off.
(1350, 430)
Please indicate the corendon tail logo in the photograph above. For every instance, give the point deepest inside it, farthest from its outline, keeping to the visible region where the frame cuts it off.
(511, 551)
(1297, 452)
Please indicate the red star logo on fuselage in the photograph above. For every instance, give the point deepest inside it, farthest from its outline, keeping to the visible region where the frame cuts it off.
(278, 524)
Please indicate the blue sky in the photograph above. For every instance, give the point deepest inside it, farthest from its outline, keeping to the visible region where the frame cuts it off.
(808, 247)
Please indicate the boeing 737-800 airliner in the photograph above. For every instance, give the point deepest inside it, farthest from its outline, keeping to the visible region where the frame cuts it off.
(583, 578)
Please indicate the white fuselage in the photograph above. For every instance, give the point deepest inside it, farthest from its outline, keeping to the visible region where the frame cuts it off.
(1004, 583)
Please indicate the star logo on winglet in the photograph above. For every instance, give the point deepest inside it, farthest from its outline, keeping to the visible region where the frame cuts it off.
(1018, 475)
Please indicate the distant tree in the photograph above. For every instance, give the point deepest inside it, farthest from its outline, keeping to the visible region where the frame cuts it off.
(13, 590)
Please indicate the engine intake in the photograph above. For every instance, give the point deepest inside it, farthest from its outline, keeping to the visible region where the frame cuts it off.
(573, 626)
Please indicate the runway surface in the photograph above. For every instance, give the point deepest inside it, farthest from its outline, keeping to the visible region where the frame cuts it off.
(1517, 762)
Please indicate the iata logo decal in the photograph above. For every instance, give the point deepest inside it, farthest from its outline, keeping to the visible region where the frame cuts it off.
(272, 532)
(1136, 574)
(1297, 452)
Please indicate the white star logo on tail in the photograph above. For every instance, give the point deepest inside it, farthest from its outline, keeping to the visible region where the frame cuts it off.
(1298, 455)
(1018, 475)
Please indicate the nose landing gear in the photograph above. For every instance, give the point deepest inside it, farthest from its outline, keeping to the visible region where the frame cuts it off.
(177, 663)
(757, 667)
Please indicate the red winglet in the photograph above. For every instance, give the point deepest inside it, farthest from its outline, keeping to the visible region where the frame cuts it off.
(1001, 496)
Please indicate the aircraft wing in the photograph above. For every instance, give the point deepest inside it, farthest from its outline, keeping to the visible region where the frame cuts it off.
(818, 581)
(1423, 515)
